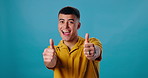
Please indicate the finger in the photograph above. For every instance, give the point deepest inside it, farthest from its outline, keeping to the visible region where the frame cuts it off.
(47, 60)
(47, 54)
(89, 53)
(88, 45)
(48, 50)
(87, 49)
(51, 44)
(90, 57)
(49, 57)
(87, 38)
(45, 49)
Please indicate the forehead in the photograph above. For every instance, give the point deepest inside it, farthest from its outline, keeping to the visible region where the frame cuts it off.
(67, 16)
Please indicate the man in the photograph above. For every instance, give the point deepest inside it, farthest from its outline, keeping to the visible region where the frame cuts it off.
(74, 56)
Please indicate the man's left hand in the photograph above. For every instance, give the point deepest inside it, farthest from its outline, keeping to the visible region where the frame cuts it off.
(91, 51)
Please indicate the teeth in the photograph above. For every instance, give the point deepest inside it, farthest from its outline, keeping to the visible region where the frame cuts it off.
(65, 31)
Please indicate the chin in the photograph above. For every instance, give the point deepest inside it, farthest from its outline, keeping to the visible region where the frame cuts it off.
(64, 39)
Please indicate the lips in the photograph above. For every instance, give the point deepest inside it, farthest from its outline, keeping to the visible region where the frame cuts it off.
(66, 32)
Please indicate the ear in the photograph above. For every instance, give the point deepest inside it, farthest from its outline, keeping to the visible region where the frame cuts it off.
(79, 25)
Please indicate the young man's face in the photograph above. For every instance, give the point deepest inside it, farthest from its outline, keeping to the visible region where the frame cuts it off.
(68, 24)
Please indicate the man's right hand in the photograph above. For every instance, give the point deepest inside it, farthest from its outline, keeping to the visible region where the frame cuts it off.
(49, 55)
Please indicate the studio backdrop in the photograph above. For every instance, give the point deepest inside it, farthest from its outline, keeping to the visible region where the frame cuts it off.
(27, 25)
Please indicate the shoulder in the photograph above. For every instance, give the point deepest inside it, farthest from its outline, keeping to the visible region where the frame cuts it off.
(54, 47)
(95, 41)
(58, 46)
(93, 38)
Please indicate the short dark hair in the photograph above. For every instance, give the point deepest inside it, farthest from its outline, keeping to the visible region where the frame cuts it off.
(70, 10)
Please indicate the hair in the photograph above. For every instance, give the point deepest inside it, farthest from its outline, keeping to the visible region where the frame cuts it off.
(70, 10)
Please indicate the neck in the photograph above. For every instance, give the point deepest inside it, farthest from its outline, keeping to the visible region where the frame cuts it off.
(70, 44)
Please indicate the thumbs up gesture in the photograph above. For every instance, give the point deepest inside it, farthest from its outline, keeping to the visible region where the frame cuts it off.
(49, 55)
(89, 49)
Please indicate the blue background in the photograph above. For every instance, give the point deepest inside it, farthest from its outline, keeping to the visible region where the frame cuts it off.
(27, 25)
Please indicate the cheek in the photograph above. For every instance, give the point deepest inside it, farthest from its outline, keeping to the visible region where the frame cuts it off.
(59, 26)
(75, 27)
(59, 29)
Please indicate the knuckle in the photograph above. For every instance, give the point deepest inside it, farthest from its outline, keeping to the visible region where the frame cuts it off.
(44, 54)
(93, 48)
(86, 45)
(52, 51)
(47, 60)
(84, 49)
(86, 53)
(46, 49)
(51, 55)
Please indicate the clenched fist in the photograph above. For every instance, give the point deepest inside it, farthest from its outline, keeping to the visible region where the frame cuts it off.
(49, 55)
(90, 50)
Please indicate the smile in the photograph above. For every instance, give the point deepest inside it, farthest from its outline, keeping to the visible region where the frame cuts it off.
(66, 32)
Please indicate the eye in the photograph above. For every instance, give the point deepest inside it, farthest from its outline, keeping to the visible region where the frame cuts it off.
(61, 21)
(71, 22)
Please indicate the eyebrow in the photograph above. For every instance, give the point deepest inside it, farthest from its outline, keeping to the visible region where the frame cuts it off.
(61, 19)
(68, 19)
(71, 19)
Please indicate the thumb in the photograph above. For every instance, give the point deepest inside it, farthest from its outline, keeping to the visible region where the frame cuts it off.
(87, 38)
(51, 44)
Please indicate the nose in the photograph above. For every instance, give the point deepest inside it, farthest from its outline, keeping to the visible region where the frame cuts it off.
(66, 25)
